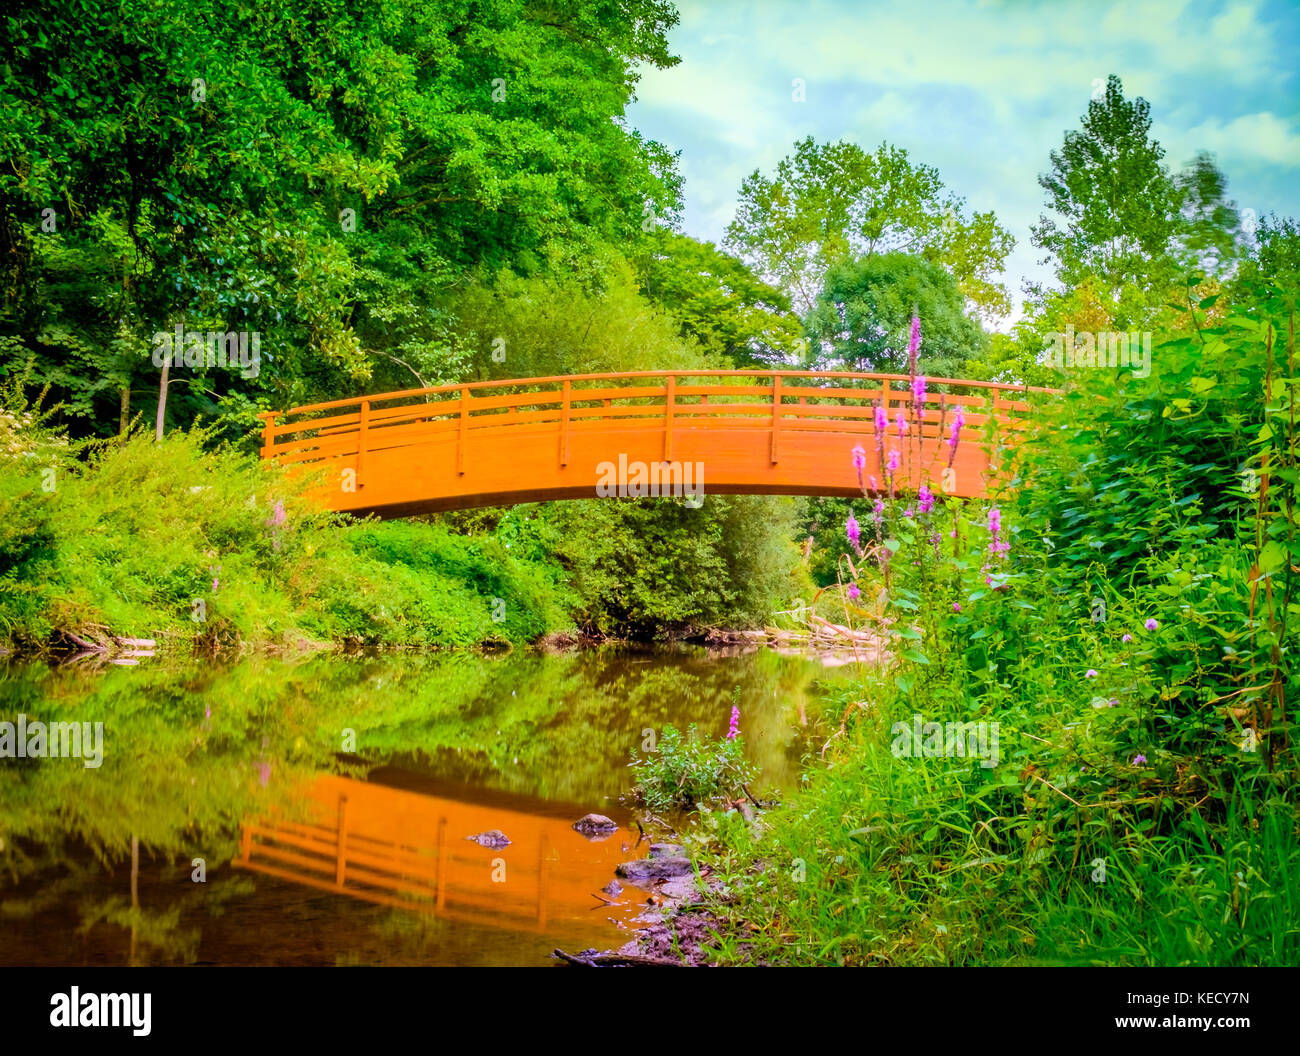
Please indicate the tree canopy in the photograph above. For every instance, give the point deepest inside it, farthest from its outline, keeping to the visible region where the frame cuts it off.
(831, 202)
(863, 317)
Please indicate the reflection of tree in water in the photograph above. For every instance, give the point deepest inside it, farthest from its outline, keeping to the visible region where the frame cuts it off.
(191, 751)
(184, 757)
(72, 892)
(565, 727)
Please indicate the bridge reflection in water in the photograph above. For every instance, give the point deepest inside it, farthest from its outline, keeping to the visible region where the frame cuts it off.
(409, 851)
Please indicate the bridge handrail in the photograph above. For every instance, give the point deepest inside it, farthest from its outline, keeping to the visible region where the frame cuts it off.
(999, 386)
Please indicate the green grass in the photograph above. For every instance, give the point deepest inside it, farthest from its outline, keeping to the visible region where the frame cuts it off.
(215, 551)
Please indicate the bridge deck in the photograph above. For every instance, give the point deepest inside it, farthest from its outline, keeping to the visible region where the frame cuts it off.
(735, 432)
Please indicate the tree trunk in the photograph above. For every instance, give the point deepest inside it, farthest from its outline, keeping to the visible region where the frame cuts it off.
(162, 399)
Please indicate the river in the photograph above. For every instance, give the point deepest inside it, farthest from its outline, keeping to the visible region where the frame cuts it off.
(315, 812)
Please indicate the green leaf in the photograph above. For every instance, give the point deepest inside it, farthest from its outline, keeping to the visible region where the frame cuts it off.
(1272, 556)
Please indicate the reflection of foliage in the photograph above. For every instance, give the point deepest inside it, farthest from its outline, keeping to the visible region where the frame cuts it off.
(157, 930)
(174, 776)
(185, 751)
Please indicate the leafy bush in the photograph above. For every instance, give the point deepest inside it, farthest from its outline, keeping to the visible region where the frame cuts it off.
(216, 550)
(684, 771)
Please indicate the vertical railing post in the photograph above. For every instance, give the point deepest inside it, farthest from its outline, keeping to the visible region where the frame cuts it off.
(543, 881)
(776, 416)
(268, 433)
(441, 880)
(363, 435)
(340, 867)
(464, 424)
(564, 426)
(668, 418)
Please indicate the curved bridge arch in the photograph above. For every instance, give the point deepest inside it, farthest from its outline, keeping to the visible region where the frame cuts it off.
(768, 432)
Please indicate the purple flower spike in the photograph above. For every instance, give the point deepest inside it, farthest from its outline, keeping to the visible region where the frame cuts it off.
(913, 343)
(859, 458)
(1138, 760)
(926, 497)
(1090, 673)
(853, 531)
(955, 435)
(1151, 625)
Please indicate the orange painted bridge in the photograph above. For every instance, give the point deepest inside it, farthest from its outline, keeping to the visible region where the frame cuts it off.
(645, 433)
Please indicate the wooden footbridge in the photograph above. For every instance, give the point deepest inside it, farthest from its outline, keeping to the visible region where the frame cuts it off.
(645, 433)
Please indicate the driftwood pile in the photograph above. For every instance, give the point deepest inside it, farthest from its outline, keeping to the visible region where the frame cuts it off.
(110, 648)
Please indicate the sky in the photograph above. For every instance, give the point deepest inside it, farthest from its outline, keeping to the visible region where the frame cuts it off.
(983, 90)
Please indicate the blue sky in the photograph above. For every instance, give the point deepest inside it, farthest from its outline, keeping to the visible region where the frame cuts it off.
(982, 90)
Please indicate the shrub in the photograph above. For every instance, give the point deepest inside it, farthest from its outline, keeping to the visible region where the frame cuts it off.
(684, 771)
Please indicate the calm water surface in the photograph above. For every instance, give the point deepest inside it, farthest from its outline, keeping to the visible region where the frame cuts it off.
(326, 803)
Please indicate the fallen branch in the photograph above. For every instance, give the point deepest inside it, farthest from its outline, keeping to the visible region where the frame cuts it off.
(90, 647)
(616, 960)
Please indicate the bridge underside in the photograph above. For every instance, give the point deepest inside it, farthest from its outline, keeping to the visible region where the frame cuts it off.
(491, 466)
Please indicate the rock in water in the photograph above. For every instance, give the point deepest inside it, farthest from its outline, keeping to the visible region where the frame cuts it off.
(491, 838)
(645, 870)
(613, 888)
(595, 825)
(667, 850)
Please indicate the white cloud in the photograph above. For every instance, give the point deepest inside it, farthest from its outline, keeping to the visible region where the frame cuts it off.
(1263, 135)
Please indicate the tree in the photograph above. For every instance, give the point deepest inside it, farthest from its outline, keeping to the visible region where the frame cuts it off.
(1129, 237)
(534, 326)
(718, 300)
(1273, 261)
(832, 202)
(316, 173)
(1209, 237)
(1116, 200)
(1123, 217)
(862, 319)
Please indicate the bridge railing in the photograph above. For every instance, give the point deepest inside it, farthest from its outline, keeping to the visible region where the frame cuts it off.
(784, 401)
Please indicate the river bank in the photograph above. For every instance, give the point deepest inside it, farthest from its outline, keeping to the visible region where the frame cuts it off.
(212, 553)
